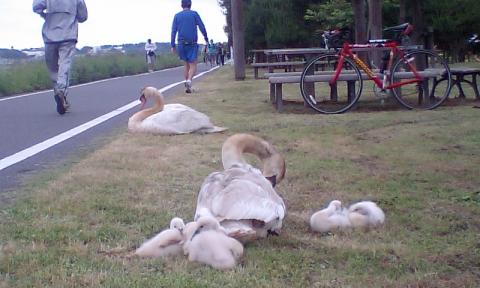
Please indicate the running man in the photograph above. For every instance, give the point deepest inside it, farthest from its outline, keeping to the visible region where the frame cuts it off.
(185, 24)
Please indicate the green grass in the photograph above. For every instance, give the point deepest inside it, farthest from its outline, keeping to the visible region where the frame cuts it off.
(29, 76)
(76, 226)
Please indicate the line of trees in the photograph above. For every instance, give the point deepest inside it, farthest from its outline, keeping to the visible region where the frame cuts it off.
(298, 23)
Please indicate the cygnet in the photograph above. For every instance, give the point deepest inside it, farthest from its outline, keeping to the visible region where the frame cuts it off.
(334, 217)
(210, 245)
(166, 243)
(365, 214)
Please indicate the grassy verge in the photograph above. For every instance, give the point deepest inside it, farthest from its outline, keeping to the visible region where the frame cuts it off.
(33, 76)
(75, 227)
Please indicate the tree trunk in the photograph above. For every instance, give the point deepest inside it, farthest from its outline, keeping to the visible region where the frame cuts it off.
(238, 39)
(418, 35)
(403, 12)
(375, 26)
(360, 21)
(359, 10)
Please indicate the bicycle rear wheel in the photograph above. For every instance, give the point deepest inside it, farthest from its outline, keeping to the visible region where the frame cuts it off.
(432, 90)
(323, 97)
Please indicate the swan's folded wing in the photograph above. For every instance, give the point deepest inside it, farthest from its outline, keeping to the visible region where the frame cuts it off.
(177, 119)
(243, 199)
(212, 185)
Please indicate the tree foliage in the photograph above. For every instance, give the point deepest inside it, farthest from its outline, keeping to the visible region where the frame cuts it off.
(331, 15)
(276, 23)
(273, 23)
(452, 22)
(296, 23)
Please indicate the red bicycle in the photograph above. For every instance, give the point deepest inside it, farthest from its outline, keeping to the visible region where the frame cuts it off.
(417, 78)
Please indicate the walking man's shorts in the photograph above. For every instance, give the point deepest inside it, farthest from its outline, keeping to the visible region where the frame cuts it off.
(188, 52)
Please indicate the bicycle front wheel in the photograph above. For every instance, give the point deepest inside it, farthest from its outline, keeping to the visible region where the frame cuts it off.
(428, 88)
(326, 97)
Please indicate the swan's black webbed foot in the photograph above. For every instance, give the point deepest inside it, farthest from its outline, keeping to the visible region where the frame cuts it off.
(274, 233)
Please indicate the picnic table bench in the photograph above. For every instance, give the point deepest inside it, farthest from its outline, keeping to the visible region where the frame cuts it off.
(459, 73)
(271, 66)
(276, 82)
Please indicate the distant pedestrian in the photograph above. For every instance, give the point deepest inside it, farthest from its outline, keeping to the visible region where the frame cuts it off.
(185, 23)
(220, 54)
(212, 53)
(60, 34)
(150, 54)
(205, 54)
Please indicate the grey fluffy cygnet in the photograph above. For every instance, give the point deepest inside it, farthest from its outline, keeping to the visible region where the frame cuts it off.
(334, 217)
(208, 243)
(366, 214)
(166, 243)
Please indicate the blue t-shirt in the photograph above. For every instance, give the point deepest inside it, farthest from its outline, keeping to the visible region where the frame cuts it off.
(185, 23)
(212, 49)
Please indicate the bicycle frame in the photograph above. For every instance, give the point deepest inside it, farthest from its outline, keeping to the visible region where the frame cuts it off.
(347, 51)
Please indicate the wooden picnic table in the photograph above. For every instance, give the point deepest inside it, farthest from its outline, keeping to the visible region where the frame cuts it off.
(297, 51)
(285, 57)
(277, 79)
(315, 51)
(258, 55)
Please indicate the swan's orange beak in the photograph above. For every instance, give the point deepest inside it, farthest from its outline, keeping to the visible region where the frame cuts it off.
(143, 100)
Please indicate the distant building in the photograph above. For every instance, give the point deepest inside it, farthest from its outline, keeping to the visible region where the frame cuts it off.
(34, 52)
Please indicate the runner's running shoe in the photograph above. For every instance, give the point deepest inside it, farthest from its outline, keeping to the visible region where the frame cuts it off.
(60, 100)
(188, 86)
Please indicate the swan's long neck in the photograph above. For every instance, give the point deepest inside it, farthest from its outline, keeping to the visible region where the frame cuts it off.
(136, 120)
(235, 146)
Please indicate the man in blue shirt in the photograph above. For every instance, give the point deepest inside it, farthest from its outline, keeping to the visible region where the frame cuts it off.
(185, 24)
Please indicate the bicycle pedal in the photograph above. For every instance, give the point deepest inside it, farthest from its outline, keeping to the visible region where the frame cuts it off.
(312, 99)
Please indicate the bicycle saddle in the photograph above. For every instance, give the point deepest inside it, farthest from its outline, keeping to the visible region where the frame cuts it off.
(405, 28)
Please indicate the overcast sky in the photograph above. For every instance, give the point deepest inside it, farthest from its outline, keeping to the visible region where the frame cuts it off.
(109, 22)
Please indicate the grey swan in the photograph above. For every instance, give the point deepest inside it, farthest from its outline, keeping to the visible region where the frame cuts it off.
(242, 198)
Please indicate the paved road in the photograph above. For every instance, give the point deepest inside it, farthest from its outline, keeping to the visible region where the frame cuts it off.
(30, 119)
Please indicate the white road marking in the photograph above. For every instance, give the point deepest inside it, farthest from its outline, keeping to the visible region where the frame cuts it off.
(37, 148)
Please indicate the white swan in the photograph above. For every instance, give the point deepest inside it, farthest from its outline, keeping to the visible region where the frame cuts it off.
(334, 217)
(166, 243)
(169, 119)
(365, 214)
(207, 243)
(241, 198)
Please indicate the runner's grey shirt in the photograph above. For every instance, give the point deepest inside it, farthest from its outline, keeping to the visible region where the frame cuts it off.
(61, 19)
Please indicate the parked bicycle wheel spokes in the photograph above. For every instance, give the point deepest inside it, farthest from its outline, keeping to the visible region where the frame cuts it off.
(435, 83)
(324, 96)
